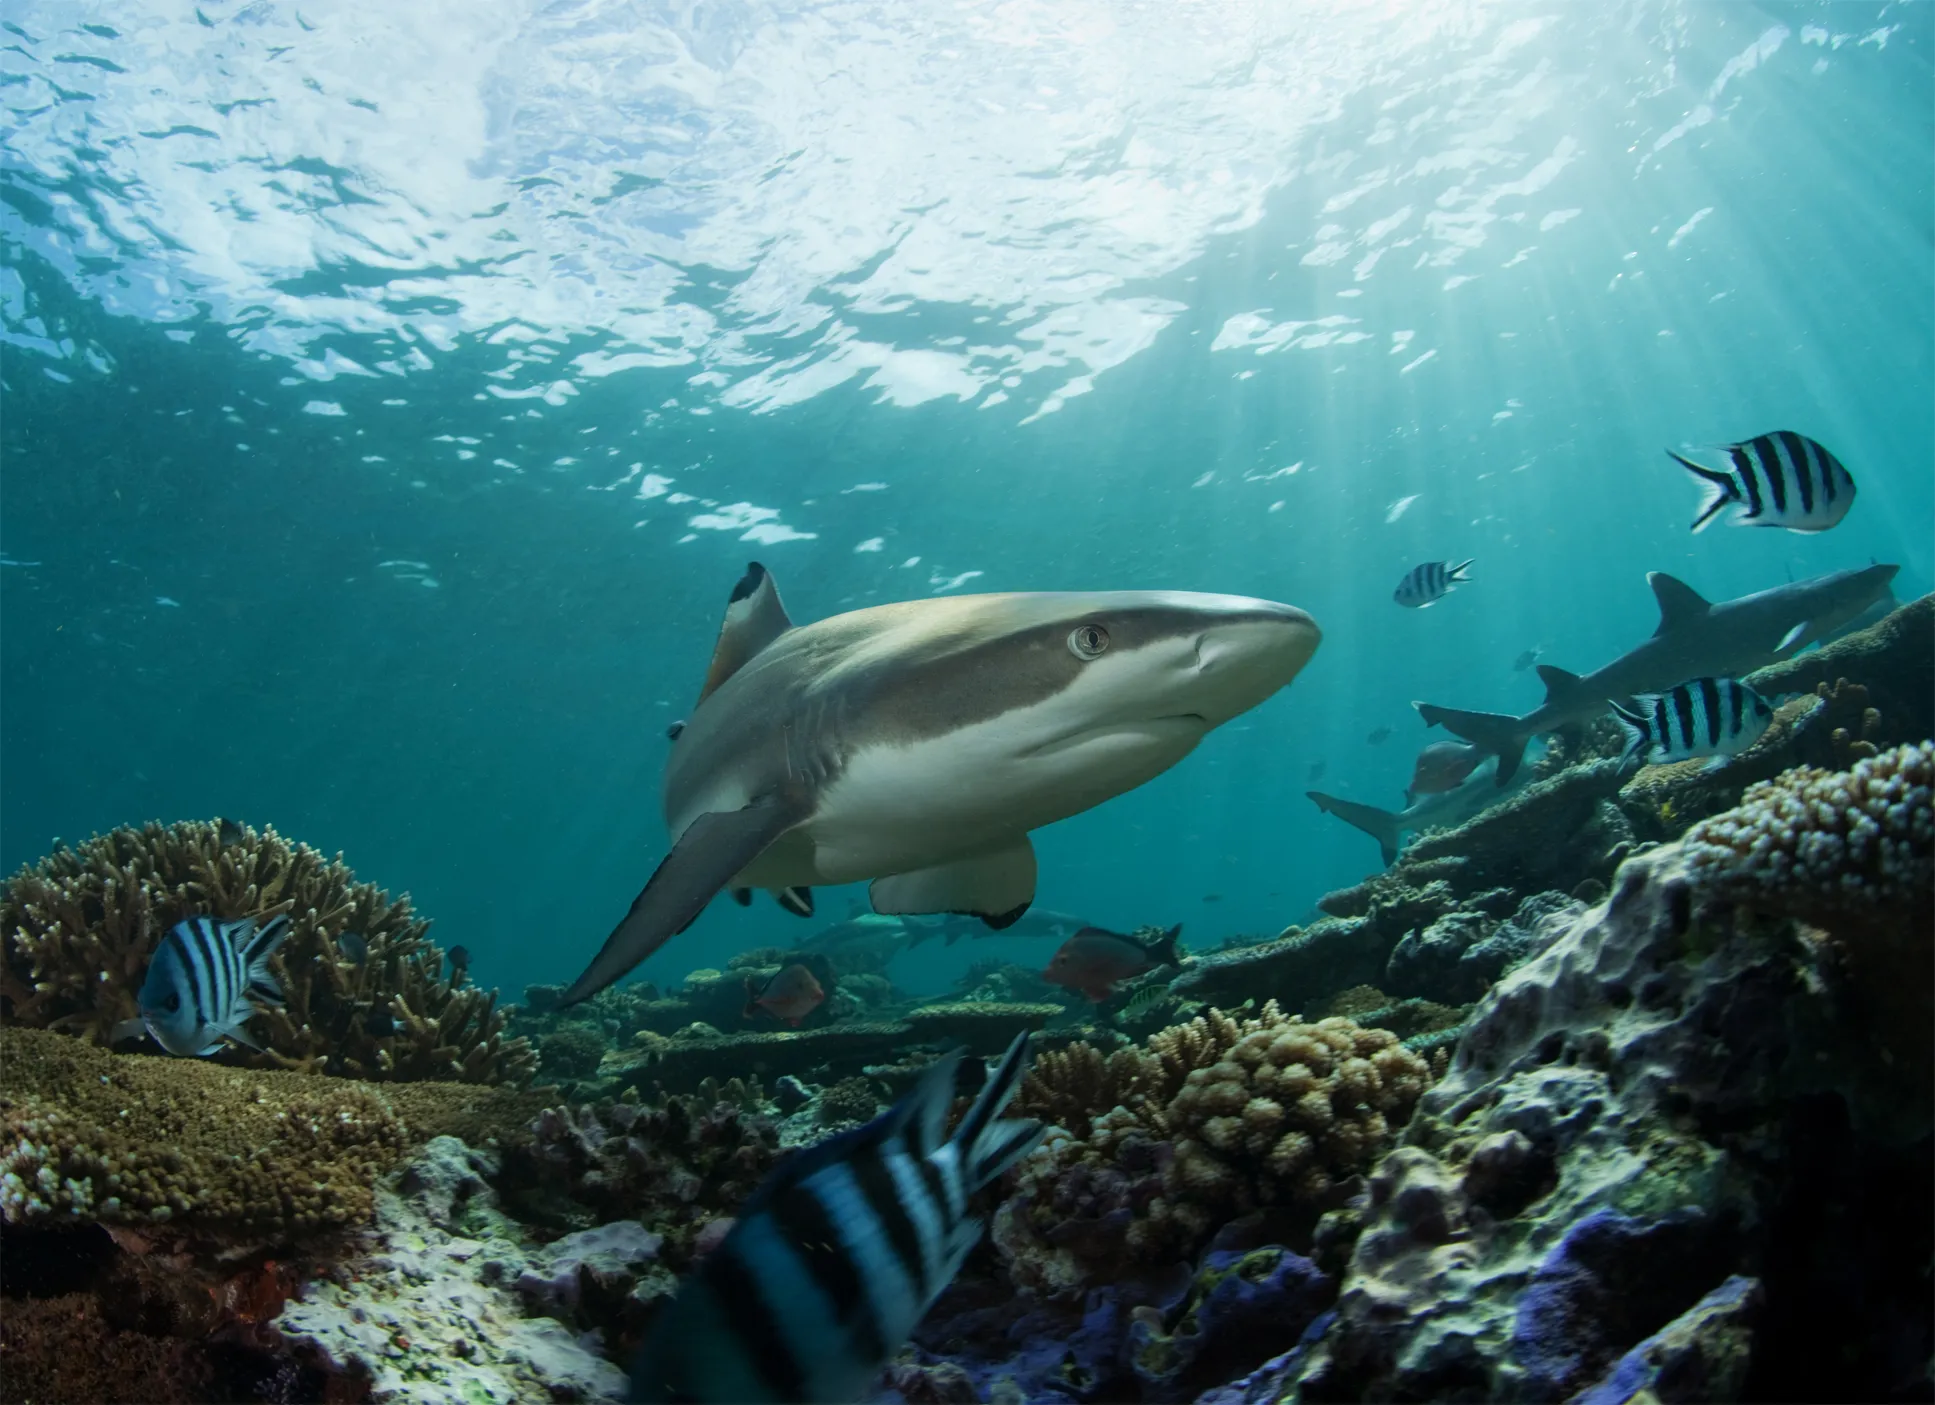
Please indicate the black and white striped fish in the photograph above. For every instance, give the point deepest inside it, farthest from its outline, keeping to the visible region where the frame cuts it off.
(1781, 479)
(1429, 583)
(836, 1258)
(1717, 717)
(200, 982)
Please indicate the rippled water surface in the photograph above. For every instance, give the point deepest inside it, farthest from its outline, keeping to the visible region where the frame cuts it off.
(392, 392)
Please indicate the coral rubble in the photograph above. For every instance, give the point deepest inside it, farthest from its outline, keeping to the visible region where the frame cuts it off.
(364, 990)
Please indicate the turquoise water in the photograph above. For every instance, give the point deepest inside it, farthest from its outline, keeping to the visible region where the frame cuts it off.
(392, 394)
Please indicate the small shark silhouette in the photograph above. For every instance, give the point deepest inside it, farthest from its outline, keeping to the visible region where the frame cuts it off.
(1696, 638)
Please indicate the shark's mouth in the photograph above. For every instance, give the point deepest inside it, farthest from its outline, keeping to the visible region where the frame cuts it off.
(1149, 728)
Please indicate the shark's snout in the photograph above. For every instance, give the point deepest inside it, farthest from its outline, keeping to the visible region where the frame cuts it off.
(1248, 654)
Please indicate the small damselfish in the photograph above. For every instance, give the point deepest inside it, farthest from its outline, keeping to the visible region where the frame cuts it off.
(1717, 717)
(837, 1257)
(1782, 479)
(1430, 583)
(203, 982)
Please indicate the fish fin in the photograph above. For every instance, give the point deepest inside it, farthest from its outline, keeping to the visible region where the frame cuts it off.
(713, 848)
(127, 1029)
(1720, 490)
(214, 1048)
(1559, 684)
(988, 1143)
(742, 896)
(1163, 951)
(258, 947)
(995, 887)
(1499, 733)
(1457, 573)
(243, 1037)
(1718, 763)
(754, 618)
(1680, 604)
(1381, 825)
(1633, 723)
(1793, 637)
(798, 901)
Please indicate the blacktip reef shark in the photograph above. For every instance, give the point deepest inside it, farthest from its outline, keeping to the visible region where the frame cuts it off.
(1470, 797)
(1696, 638)
(917, 744)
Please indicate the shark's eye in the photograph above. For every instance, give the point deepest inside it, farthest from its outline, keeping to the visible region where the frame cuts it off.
(1088, 641)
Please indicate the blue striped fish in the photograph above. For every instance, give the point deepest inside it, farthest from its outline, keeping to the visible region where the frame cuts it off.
(837, 1257)
(200, 980)
(1717, 717)
(1429, 583)
(1782, 479)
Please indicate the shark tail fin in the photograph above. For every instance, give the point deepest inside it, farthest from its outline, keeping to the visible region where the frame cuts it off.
(1381, 825)
(1720, 490)
(1497, 732)
(1639, 734)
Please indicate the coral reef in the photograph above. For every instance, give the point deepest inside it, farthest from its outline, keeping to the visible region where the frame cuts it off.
(673, 1162)
(1646, 1160)
(206, 1151)
(364, 990)
(431, 1309)
(1892, 661)
(1211, 1120)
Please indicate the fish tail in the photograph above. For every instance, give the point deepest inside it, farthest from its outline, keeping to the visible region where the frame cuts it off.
(1720, 490)
(989, 1144)
(1457, 573)
(1381, 825)
(1639, 734)
(258, 948)
(1163, 951)
(1499, 733)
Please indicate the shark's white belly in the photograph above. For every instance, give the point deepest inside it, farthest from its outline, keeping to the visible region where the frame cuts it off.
(894, 809)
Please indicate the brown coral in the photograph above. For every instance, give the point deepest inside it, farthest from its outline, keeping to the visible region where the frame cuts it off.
(145, 1141)
(364, 990)
(1210, 1120)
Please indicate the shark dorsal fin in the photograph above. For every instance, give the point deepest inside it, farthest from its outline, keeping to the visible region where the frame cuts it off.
(754, 619)
(1558, 683)
(1680, 603)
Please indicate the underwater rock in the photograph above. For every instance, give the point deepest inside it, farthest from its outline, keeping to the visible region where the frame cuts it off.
(426, 1308)
(1242, 1309)
(1430, 961)
(1299, 968)
(590, 1278)
(1657, 1102)
(1700, 1355)
(364, 993)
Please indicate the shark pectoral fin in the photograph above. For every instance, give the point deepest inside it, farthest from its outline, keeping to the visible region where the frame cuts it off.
(712, 850)
(1680, 604)
(995, 887)
(754, 619)
(1382, 825)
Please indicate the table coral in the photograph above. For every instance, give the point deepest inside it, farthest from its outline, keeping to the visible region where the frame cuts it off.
(1211, 1120)
(207, 1150)
(364, 990)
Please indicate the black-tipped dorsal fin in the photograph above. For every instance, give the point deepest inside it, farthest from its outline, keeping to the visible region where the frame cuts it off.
(1680, 603)
(754, 619)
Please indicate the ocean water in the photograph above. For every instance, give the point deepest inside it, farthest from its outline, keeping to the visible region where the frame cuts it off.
(393, 393)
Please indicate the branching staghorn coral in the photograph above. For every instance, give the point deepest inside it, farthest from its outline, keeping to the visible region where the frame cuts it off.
(364, 991)
(1210, 1120)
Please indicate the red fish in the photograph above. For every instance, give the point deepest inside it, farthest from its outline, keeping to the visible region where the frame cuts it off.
(791, 995)
(1093, 960)
(1444, 766)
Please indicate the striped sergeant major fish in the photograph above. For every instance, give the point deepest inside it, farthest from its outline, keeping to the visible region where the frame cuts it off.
(1781, 479)
(200, 982)
(1717, 717)
(1428, 584)
(836, 1258)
